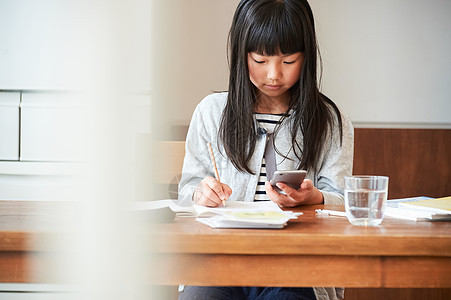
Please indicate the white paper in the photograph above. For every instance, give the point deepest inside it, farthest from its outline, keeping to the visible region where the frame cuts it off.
(236, 206)
(219, 222)
(204, 211)
(406, 214)
(401, 209)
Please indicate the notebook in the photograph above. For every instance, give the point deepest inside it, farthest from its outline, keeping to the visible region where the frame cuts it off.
(420, 209)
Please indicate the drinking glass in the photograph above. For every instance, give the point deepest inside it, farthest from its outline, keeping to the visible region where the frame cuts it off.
(365, 199)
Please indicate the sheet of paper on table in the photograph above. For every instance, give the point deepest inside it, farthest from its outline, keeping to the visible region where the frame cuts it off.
(236, 214)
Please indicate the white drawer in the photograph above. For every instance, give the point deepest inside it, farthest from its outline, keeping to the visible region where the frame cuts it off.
(51, 127)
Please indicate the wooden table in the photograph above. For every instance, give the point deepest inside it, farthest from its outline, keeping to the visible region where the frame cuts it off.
(315, 250)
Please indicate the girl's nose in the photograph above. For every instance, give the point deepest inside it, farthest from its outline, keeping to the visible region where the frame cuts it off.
(274, 72)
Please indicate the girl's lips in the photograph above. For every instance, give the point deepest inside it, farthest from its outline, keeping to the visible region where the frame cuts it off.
(273, 87)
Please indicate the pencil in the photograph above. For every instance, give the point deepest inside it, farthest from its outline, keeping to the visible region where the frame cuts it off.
(212, 156)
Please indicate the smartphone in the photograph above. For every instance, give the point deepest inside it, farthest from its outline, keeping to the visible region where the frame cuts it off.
(292, 178)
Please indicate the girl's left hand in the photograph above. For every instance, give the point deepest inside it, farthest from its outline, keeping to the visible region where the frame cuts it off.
(306, 194)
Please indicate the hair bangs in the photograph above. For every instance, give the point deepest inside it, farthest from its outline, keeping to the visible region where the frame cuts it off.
(277, 31)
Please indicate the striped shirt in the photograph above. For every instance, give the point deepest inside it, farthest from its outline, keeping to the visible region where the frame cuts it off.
(268, 122)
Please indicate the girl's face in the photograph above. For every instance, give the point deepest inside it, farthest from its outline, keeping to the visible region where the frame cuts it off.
(274, 75)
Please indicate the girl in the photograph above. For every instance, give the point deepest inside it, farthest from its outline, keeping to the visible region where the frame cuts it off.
(273, 105)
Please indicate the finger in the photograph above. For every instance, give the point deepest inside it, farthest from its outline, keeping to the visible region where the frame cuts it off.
(209, 203)
(214, 185)
(210, 196)
(227, 190)
(289, 202)
(307, 184)
(272, 193)
(269, 189)
(206, 202)
(288, 190)
(291, 197)
(217, 187)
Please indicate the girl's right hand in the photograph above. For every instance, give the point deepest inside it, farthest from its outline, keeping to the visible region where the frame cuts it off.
(212, 192)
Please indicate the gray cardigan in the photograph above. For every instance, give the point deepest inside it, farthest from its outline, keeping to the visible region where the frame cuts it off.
(335, 163)
(335, 160)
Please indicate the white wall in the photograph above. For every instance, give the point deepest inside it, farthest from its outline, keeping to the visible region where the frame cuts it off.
(386, 63)
(189, 42)
(67, 44)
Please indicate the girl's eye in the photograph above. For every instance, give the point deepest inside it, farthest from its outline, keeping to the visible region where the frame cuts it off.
(288, 62)
(259, 61)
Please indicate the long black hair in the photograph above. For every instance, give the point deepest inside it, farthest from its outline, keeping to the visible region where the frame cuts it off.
(271, 27)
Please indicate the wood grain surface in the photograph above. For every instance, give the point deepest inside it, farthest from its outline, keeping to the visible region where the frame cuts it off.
(418, 161)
